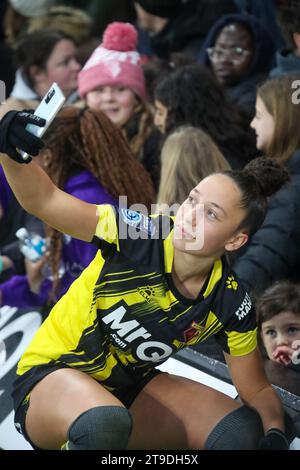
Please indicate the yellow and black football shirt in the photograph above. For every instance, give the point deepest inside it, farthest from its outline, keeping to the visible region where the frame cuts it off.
(123, 315)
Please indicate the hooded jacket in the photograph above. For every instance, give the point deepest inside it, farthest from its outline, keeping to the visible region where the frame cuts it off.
(76, 254)
(244, 92)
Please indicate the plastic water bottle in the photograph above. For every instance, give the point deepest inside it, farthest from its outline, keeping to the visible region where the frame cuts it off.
(32, 245)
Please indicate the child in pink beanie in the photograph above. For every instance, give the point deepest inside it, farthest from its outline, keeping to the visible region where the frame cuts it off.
(114, 63)
(113, 81)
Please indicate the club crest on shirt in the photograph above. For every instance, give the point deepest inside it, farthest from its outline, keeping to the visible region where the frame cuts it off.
(138, 220)
(194, 330)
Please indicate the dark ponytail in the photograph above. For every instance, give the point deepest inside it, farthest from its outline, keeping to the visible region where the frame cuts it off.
(261, 178)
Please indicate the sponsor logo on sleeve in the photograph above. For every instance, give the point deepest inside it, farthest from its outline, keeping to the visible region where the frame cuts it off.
(244, 308)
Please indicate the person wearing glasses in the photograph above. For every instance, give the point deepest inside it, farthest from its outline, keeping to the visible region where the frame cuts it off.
(240, 53)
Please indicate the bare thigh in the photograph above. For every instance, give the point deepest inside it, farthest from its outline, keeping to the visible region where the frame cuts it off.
(57, 400)
(176, 413)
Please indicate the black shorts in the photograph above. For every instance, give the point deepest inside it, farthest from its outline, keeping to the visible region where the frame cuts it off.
(126, 395)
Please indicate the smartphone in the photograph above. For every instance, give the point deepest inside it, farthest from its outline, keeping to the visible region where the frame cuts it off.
(51, 103)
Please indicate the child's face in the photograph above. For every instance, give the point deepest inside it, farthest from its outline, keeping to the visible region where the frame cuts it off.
(263, 123)
(281, 336)
(117, 102)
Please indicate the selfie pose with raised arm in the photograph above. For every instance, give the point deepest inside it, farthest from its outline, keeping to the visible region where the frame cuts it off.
(157, 284)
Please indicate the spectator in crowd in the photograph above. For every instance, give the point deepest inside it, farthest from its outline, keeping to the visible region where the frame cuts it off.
(113, 81)
(288, 59)
(87, 157)
(170, 26)
(278, 319)
(192, 96)
(273, 253)
(43, 57)
(240, 53)
(188, 156)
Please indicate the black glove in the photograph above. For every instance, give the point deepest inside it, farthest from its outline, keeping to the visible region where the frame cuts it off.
(274, 439)
(13, 135)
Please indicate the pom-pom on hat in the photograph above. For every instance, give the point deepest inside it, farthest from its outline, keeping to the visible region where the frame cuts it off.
(115, 62)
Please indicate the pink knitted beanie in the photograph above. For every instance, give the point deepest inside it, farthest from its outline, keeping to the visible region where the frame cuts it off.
(115, 62)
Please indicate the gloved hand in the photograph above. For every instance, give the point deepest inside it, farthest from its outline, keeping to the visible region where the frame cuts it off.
(13, 135)
(274, 439)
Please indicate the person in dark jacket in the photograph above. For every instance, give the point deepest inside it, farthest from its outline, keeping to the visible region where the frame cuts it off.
(241, 53)
(176, 25)
(87, 157)
(288, 59)
(273, 253)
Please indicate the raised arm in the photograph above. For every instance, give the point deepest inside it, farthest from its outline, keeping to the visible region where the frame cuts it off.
(39, 196)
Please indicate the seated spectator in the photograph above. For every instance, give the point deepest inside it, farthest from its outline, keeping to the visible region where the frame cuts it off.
(288, 59)
(278, 319)
(188, 155)
(87, 157)
(177, 26)
(273, 253)
(192, 96)
(113, 81)
(240, 53)
(43, 57)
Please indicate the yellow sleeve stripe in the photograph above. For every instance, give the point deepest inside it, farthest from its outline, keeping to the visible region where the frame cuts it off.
(240, 344)
(107, 229)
